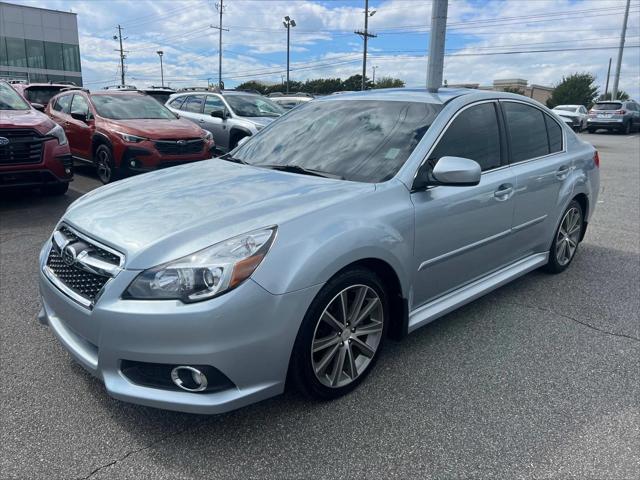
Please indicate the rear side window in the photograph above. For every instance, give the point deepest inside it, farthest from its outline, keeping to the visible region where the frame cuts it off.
(62, 104)
(527, 131)
(555, 134)
(474, 134)
(194, 104)
(177, 102)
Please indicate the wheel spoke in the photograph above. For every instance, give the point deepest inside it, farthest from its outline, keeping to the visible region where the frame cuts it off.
(357, 304)
(331, 320)
(575, 229)
(366, 311)
(326, 360)
(338, 367)
(351, 363)
(343, 306)
(325, 342)
(366, 350)
(369, 329)
(572, 244)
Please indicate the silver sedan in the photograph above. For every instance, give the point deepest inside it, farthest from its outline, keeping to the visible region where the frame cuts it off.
(353, 218)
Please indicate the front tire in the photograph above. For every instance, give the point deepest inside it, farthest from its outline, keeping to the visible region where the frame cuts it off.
(566, 239)
(341, 335)
(105, 166)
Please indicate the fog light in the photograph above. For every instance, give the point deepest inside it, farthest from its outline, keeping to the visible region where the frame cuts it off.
(67, 171)
(189, 378)
(132, 163)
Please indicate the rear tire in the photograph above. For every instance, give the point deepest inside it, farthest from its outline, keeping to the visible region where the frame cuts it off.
(591, 130)
(566, 239)
(105, 166)
(341, 335)
(626, 129)
(56, 188)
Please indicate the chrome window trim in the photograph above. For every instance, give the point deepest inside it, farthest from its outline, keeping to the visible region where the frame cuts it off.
(444, 130)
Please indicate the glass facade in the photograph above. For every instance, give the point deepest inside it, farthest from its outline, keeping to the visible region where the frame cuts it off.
(25, 53)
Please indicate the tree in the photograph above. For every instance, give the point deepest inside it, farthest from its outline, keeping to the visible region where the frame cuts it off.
(621, 95)
(517, 90)
(576, 89)
(253, 85)
(354, 82)
(389, 82)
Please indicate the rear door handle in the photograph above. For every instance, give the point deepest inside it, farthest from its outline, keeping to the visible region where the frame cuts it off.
(562, 172)
(503, 192)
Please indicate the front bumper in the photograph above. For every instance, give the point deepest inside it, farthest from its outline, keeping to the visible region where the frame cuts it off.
(247, 334)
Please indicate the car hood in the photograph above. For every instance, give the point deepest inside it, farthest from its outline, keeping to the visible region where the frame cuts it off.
(264, 121)
(158, 129)
(567, 114)
(164, 215)
(25, 119)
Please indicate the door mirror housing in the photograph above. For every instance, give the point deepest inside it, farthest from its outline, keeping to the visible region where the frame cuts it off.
(38, 106)
(83, 117)
(222, 114)
(449, 171)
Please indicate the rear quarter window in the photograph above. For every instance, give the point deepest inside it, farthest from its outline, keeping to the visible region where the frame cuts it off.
(555, 134)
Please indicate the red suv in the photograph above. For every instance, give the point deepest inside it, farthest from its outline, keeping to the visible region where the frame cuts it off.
(33, 150)
(126, 132)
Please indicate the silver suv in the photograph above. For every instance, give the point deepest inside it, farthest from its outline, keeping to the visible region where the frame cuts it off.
(228, 115)
(352, 218)
(620, 116)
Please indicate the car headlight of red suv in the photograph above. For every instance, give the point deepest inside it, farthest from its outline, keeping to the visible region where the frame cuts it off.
(131, 138)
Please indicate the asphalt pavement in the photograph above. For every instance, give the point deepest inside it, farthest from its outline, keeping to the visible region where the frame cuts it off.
(539, 379)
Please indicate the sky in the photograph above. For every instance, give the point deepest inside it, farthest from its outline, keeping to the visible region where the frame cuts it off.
(484, 40)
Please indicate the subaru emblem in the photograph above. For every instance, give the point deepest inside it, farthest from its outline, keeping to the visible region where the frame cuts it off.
(181, 142)
(4, 141)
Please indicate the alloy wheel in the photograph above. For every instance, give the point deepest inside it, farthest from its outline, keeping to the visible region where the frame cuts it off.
(103, 166)
(347, 336)
(568, 236)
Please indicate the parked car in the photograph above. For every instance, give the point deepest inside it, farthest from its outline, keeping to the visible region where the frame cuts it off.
(352, 218)
(228, 115)
(34, 151)
(39, 94)
(620, 116)
(124, 132)
(576, 116)
(289, 101)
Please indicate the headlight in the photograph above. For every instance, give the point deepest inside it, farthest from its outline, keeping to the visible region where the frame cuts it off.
(58, 132)
(206, 273)
(131, 138)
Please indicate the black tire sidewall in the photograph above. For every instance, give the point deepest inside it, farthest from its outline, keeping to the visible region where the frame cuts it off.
(301, 370)
(553, 266)
(114, 175)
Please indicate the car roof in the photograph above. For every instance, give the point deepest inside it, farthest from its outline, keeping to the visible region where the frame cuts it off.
(442, 96)
(572, 106)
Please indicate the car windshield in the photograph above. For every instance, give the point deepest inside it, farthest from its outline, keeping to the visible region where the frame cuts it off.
(566, 108)
(608, 106)
(359, 140)
(129, 107)
(41, 94)
(253, 106)
(10, 100)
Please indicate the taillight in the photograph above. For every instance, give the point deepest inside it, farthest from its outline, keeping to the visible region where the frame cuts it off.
(620, 112)
(596, 159)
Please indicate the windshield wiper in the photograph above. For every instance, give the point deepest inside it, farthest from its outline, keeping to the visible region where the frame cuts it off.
(230, 158)
(302, 170)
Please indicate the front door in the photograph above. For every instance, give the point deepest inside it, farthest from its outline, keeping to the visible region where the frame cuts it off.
(462, 233)
(217, 126)
(79, 132)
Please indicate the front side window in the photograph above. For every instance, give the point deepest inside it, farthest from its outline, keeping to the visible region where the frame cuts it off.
(527, 131)
(193, 104)
(119, 106)
(212, 104)
(473, 134)
(79, 105)
(253, 106)
(62, 104)
(10, 100)
(358, 140)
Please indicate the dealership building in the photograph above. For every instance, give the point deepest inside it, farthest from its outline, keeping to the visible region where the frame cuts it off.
(39, 45)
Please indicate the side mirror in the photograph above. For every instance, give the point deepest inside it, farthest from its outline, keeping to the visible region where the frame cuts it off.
(79, 116)
(38, 106)
(450, 171)
(222, 114)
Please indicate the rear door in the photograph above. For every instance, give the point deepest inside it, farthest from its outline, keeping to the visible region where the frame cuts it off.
(462, 233)
(79, 133)
(541, 167)
(191, 109)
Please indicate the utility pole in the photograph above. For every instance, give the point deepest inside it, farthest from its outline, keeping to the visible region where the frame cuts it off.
(365, 36)
(616, 77)
(606, 86)
(122, 56)
(436, 44)
(220, 8)
(160, 53)
(288, 23)
(373, 80)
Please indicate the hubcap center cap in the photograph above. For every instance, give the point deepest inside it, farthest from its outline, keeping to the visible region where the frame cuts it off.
(345, 335)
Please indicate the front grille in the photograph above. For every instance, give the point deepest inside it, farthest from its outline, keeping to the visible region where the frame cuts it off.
(25, 146)
(85, 284)
(79, 266)
(179, 147)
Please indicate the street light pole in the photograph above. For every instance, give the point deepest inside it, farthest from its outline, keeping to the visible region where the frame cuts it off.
(160, 53)
(365, 36)
(288, 23)
(436, 44)
(616, 76)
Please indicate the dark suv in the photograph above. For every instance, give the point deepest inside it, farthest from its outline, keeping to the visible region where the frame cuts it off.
(126, 132)
(39, 94)
(33, 150)
(622, 116)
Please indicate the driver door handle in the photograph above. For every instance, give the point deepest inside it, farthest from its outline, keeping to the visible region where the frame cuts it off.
(562, 172)
(503, 192)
